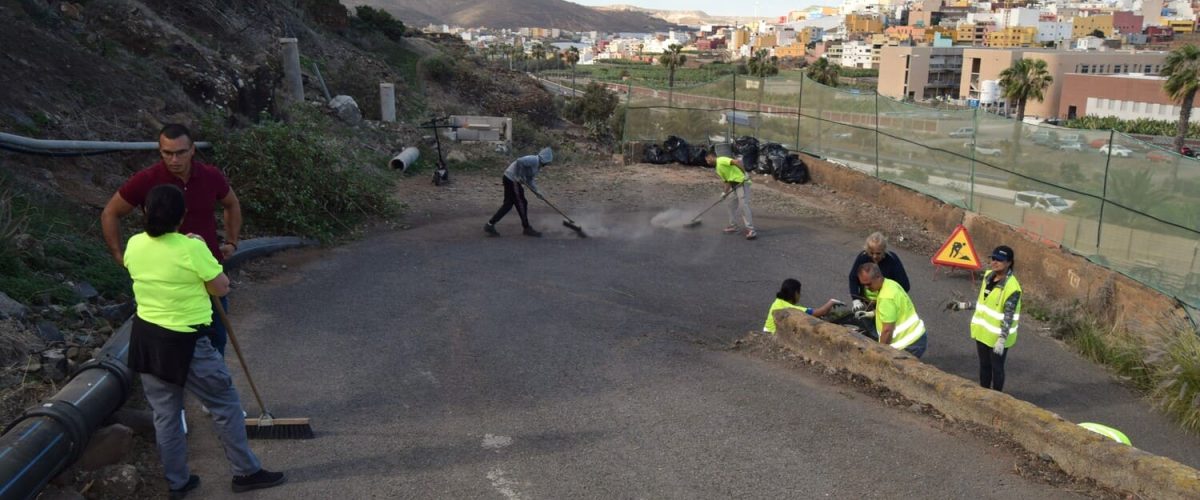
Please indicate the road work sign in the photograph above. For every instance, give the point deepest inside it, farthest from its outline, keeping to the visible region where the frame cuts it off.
(958, 251)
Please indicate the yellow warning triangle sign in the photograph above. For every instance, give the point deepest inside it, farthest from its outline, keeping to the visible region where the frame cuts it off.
(958, 251)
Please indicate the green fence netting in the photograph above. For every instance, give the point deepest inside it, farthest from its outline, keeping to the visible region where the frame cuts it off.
(1123, 203)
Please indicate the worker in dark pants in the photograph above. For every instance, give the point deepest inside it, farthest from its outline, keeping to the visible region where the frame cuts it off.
(520, 173)
(997, 313)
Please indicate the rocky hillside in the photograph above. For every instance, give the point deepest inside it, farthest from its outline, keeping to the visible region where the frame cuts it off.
(517, 14)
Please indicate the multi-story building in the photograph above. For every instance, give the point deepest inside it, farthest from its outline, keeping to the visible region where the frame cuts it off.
(738, 38)
(980, 65)
(1125, 23)
(1128, 97)
(1054, 32)
(1019, 17)
(833, 53)
(1082, 26)
(1182, 25)
(1012, 37)
(794, 51)
(920, 73)
(858, 54)
(863, 24)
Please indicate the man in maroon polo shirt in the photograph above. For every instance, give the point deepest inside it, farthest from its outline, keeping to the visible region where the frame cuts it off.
(203, 187)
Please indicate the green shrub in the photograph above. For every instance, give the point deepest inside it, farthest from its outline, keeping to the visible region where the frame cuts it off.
(299, 178)
(440, 69)
(372, 19)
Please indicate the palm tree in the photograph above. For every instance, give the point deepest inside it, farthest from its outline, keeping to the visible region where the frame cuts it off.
(1026, 79)
(671, 58)
(538, 53)
(762, 64)
(822, 72)
(572, 57)
(1183, 80)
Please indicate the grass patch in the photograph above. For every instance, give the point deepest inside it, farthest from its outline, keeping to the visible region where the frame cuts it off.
(1164, 367)
(46, 242)
(307, 176)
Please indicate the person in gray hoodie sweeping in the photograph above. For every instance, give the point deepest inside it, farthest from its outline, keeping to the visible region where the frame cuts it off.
(520, 173)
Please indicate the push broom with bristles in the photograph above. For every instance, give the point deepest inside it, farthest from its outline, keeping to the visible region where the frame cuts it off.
(265, 426)
(566, 220)
(696, 220)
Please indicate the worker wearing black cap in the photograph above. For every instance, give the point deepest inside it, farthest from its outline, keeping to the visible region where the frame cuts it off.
(997, 313)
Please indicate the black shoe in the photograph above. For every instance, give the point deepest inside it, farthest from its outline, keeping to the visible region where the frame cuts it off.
(259, 480)
(490, 229)
(529, 231)
(192, 483)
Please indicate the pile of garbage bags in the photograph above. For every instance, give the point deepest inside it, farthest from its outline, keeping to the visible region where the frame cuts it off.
(768, 159)
(674, 150)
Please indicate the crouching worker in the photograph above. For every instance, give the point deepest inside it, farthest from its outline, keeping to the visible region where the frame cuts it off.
(895, 315)
(171, 343)
(788, 296)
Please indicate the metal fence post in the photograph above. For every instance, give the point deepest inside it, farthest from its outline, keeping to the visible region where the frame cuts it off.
(799, 113)
(877, 135)
(1104, 190)
(733, 114)
(974, 131)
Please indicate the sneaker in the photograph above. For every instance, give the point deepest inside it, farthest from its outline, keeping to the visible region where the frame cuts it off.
(730, 229)
(751, 234)
(193, 482)
(490, 229)
(529, 231)
(257, 481)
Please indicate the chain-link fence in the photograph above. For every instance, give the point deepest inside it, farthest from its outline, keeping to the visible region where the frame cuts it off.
(1123, 203)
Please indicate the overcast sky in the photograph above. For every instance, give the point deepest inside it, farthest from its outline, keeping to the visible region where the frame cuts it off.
(766, 8)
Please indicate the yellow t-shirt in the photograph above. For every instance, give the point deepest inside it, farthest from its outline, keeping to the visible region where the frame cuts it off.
(728, 171)
(769, 326)
(168, 274)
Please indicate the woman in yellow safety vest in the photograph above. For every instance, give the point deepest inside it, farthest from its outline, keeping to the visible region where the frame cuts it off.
(997, 313)
(788, 296)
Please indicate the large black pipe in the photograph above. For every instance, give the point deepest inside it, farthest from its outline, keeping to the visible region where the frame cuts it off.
(49, 437)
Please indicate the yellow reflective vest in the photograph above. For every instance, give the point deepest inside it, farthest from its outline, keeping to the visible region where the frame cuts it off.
(894, 303)
(989, 311)
(769, 326)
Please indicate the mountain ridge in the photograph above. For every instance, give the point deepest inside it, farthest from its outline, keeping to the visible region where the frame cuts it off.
(517, 14)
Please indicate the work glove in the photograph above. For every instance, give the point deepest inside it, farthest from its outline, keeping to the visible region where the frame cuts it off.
(955, 305)
(864, 315)
(999, 348)
(857, 305)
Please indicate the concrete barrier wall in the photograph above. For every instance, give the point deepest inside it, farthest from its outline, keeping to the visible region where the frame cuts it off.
(1048, 272)
(1077, 451)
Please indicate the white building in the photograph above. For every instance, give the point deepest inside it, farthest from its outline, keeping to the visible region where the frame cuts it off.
(1053, 31)
(1019, 17)
(858, 54)
(1089, 43)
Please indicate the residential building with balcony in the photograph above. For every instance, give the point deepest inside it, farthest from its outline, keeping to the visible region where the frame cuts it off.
(980, 64)
(1012, 37)
(859, 24)
(1054, 31)
(920, 73)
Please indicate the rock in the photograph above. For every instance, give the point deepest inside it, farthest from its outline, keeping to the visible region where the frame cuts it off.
(33, 366)
(85, 291)
(60, 493)
(116, 312)
(54, 364)
(456, 156)
(915, 408)
(116, 481)
(347, 110)
(10, 308)
(141, 421)
(81, 310)
(48, 331)
(107, 446)
(72, 10)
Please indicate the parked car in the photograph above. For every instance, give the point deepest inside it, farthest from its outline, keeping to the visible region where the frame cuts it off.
(1186, 151)
(1070, 138)
(1116, 150)
(963, 132)
(1043, 201)
(1045, 138)
(1071, 146)
(981, 149)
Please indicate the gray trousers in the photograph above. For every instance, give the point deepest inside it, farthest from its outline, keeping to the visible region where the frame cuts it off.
(740, 199)
(209, 380)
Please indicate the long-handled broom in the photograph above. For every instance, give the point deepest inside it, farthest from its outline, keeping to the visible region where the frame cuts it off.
(696, 220)
(265, 426)
(566, 220)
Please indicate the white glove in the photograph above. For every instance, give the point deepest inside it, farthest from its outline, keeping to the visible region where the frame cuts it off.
(957, 306)
(864, 314)
(857, 305)
(999, 348)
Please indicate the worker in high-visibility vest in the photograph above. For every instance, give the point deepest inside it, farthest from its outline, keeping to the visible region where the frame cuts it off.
(997, 313)
(788, 296)
(896, 317)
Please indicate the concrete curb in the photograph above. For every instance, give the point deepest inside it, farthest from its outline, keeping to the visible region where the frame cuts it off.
(1077, 451)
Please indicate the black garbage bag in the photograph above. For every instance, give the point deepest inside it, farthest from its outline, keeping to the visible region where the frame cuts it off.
(793, 171)
(653, 153)
(747, 147)
(772, 158)
(673, 144)
(696, 156)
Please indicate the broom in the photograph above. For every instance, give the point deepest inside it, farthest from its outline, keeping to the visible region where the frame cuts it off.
(696, 220)
(566, 220)
(265, 426)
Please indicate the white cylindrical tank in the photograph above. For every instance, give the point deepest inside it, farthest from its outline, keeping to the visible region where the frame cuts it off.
(989, 92)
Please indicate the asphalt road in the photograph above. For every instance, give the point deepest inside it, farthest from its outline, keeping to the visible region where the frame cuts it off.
(438, 363)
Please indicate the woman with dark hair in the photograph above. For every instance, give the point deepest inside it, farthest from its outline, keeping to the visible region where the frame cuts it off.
(997, 314)
(788, 296)
(171, 343)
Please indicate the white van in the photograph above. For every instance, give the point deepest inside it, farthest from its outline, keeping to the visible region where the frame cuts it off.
(963, 132)
(1043, 201)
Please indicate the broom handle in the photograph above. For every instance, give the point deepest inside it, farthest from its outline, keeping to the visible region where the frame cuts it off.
(560, 212)
(715, 203)
(238, 349)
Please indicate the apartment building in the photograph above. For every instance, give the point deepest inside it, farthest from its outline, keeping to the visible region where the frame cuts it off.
(1054, 32)
(1082, 26)
(863, 24)
(859, 54)
(1013, 36)
(920, 73)
(794, 51)
(1180, 26)
(1128, 97)
(980, 65)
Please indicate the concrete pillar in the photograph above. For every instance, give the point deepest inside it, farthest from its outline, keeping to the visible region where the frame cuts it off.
(292, 84)
(387, 102)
